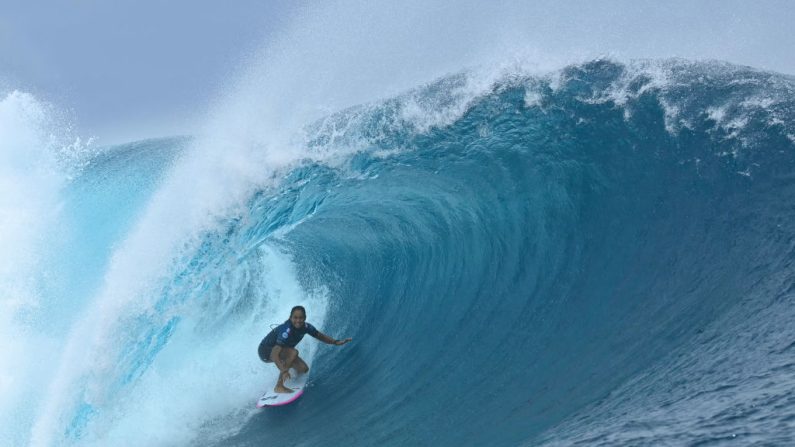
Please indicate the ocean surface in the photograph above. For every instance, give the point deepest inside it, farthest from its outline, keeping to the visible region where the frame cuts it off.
(599, 255)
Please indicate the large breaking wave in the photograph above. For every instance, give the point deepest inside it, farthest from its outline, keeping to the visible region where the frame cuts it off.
(602, 254)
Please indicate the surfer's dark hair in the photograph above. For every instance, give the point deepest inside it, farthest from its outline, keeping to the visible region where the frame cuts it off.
(301, 308)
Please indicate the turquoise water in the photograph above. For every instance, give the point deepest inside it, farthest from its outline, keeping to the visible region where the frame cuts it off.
(601, 255)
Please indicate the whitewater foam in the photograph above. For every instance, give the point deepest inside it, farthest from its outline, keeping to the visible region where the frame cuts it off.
(31, 139)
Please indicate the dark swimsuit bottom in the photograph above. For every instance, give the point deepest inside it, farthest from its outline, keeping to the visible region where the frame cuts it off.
(265, 352)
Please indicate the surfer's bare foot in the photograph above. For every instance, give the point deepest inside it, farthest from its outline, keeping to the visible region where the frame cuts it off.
(282, 389)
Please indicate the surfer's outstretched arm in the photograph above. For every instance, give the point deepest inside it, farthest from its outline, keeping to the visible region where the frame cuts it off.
(326, 339)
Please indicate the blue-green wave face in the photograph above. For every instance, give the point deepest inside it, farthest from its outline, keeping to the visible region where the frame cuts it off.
(600, 255)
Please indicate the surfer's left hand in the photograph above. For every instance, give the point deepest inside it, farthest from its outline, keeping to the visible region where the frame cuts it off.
(342, 342)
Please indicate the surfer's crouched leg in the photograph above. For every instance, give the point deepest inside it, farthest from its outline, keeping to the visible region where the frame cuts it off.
(288, 356)
(264, 352)
(292, 360)
(300, 365)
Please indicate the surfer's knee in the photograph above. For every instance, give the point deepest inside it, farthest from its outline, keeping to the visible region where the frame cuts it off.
(291, 353)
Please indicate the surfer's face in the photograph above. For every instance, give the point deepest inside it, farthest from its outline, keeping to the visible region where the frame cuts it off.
(297, 319)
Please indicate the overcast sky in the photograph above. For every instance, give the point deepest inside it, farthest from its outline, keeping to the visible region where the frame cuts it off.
(136, 69)
(123, 66)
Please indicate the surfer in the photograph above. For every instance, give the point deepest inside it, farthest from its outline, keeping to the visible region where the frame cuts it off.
(278, 346)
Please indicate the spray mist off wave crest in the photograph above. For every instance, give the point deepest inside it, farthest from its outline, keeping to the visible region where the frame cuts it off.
(36, 147)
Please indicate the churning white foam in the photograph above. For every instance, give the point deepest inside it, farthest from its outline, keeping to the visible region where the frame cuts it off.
(204, 383)
(32, 141)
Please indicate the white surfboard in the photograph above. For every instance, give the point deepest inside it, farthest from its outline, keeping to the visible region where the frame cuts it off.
(273, 399)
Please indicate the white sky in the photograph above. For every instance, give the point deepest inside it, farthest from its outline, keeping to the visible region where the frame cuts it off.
(138, 69)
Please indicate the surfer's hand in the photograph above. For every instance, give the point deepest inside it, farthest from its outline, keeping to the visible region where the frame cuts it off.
(286, 375)
(342, 342)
